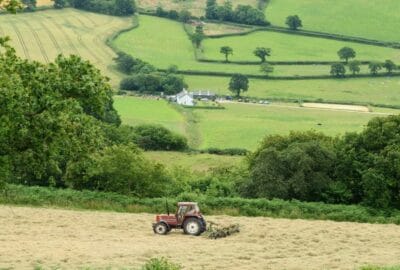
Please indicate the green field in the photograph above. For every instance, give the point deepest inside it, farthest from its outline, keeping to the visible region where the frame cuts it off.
(239, 125)
(374, 19)
(43, 35)
(135, 111)
(365, 90)
(286, 47)
(244, 125)
(193, 162)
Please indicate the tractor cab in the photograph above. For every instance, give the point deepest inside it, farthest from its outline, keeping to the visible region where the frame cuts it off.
(187, 217)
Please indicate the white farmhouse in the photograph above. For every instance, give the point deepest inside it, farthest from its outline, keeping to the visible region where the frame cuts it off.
(184, 98)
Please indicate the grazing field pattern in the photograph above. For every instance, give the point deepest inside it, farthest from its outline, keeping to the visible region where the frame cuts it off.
(63, 239)
(43, 35)
(373, 19)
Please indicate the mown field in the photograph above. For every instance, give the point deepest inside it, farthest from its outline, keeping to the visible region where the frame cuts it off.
(374, 19)
(240, 124)
(365, 90)
(65, 239)
(43, 35)
(286, 47)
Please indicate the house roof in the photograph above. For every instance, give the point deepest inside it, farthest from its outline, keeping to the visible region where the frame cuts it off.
(202, 93)
(182, 94)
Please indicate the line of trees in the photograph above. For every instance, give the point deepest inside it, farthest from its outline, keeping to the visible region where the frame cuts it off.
(244, 14)
(145, 77)
(182, 16)
(109, 7)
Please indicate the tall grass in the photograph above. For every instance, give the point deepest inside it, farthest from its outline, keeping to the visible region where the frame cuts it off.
(71, 199)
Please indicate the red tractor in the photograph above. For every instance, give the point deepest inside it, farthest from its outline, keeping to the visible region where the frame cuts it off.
(187, 217)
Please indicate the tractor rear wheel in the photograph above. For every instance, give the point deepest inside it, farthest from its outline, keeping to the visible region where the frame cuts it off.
(161, 228)
(192, 226)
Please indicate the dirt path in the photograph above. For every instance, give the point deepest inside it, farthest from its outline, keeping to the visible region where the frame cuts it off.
(77, 239)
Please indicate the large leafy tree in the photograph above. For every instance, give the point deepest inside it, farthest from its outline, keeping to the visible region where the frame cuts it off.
(354, 66)
(294, 22)
(10, 5)
(338, 70)
(374, 67)
(49, 116)
(389, 65)
(238, 83)
(226, 50)
(262, 53)
(346, 53)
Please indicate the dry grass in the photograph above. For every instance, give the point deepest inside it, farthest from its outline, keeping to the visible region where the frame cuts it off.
(41, 3)
(76, 239)
(211, 29)
(339, 107)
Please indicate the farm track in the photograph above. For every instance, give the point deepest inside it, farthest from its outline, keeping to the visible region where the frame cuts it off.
(38, 41)
(20, 39)
(82, 43)
(52, 38)
(67, 37)
(63, 239)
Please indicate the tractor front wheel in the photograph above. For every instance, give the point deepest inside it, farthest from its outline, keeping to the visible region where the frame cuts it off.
(192, 226)
(161, 228)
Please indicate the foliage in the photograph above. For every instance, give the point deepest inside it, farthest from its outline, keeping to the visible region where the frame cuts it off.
(60, 3)
(374, 67)
(109, 7)
(226, 50)
(48, 120)
(184, 16)
(11, 6)
(169, 84)
(389, 65)
(262, 53)
(294, 22)
(299, 166)
(197, 38)
(30, 5)
(267, 68)
(226, 151)
(338, 70)
(346, 53)
(128, 65)
(41, 196)
(160, 264)
(245, 14)
(354, 66)
(156, 137)
(238, 83)
(121, 169)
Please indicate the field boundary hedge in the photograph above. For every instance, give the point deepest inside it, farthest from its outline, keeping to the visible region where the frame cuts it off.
(110, 39)
(281, 63)
(90, 200)
(263, 77)
(308, 33)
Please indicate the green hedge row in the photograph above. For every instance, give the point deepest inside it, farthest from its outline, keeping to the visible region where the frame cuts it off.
(263, 77)
(110, 39)
(43, 197)
(283, 63)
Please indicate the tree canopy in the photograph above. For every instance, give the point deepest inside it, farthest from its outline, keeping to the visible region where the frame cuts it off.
(238, 83)
(346, 53)
(294, 22)
(262, 53)
(226, 50)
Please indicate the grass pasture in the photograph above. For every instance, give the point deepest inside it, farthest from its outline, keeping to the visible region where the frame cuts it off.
(135, 111)
(366, 90)
(43, 35)
(373, 19)
(287, 47)
(109, 240)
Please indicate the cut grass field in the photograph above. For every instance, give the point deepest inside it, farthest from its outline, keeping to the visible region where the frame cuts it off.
(239, 124)
(145, 42)
(366, 90)
(373, 19)
(287, 47)
(65, 239)
(43, 35)
(192, 161)
(135, 111)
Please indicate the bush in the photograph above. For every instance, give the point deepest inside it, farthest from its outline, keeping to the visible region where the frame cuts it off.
(169, 84)
(227, 151)
(156, 137)
(161, 264)
(109, 7)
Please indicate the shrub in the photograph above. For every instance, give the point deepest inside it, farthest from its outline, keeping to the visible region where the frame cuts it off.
(161, 264)
(156, 137)
(109, 7)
